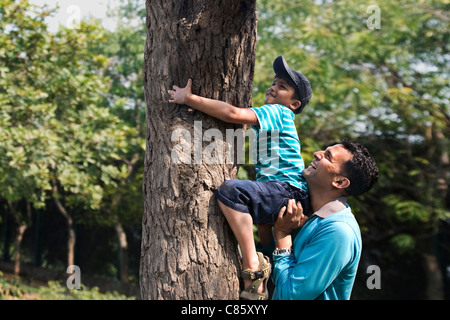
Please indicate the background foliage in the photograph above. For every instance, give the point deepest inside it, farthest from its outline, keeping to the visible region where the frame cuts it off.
(72, 117)
(387, 88)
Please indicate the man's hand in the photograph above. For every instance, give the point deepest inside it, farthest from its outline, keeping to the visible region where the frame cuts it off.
(178, 95)
(290, 218)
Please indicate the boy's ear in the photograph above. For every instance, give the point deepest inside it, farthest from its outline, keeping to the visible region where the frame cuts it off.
(296, 104)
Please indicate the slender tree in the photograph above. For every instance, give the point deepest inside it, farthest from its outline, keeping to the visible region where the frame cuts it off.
(56, 139)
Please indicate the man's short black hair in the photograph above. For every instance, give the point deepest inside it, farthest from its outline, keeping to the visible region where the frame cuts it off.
(361, 170)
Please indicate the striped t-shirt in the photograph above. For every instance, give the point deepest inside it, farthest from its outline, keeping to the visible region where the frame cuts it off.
(277, 146)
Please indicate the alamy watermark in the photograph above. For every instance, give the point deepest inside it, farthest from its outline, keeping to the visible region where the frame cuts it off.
(74, 280)
(229, 149)
(73, 20)
(374, 21)
(374, 280)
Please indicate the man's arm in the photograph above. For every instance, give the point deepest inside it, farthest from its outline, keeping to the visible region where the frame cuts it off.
(215, 108)
(289, 219)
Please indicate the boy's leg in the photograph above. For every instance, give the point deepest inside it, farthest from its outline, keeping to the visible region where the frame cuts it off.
(242, 226)
(244, 203)
(265, 234)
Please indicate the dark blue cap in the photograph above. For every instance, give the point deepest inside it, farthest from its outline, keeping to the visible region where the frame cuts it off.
(297, 80)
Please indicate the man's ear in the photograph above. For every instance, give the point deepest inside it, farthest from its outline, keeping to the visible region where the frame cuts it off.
(340, 182)
(296, 104)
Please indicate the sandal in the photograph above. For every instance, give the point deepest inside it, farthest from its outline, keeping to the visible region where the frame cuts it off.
(258, 277)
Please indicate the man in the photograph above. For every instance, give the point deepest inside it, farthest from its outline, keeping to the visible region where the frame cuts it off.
(320, 260)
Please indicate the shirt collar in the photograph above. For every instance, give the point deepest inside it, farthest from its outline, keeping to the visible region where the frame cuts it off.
(331, 207)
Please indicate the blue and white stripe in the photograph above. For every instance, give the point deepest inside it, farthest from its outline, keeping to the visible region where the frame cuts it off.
(277, 146)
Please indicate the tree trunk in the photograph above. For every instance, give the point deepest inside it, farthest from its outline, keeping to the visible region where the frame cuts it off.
(121, 235)
(71, 237)
(123, 252)
(435, 286)
(21, 228)
(6, 237)
(188, 250)
(19, 236)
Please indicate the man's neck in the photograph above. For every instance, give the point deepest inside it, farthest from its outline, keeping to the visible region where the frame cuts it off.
(319, 199)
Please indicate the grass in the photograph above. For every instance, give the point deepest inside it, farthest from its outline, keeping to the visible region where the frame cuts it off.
(16, 289)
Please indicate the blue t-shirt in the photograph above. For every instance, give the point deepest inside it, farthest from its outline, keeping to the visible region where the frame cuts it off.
(326, 253)
(277, 146)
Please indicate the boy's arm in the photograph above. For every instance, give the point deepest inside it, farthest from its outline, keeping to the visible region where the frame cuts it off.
(215, 108)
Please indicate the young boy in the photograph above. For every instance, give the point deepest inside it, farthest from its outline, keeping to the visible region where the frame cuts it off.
(245, 203)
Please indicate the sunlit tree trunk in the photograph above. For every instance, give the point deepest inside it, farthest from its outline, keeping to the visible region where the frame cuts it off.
(22, 225)
(71, 236)
(188, 250)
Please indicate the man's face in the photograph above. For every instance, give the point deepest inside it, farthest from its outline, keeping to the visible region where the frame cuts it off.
(326, 167)
(280, 93)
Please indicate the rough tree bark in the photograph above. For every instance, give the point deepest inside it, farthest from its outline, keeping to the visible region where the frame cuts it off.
(188, 250)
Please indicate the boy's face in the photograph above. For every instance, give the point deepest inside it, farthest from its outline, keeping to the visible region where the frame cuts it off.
(281, 93)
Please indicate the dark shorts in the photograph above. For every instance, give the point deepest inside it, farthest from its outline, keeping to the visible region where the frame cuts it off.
(262, 199)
